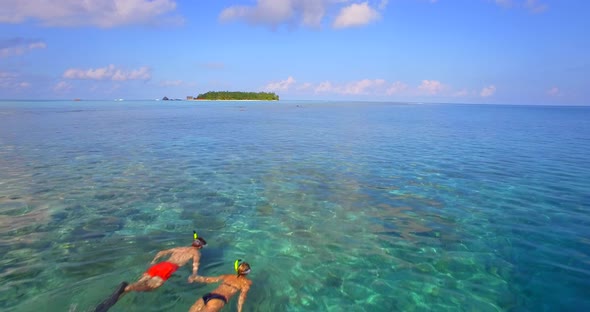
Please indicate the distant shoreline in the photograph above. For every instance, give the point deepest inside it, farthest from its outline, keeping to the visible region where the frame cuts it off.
(231, 100)
(235, 95)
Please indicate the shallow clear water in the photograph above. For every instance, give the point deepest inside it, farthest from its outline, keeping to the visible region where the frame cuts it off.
(363, 206)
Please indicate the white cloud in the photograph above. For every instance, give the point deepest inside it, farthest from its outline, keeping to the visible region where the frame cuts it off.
(276, 12)
(282, 85)
(108, 73)
(461, 93)
(142, 73)
(305, 86)
(12, 81)
(103, 13)
(19, 46)
(359, 87)
(396, 87)
(6, 79)
(62, 86)
(356, 14)
(431, 86)
(535, 6)
(554, 91)
(325, 86)
(363, 86)
(376, 87)
(310, 13)
(488, 91)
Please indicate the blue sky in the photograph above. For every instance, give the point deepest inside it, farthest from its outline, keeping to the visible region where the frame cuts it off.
(461, 51)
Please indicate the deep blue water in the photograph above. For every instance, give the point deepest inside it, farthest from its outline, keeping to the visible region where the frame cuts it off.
(337, 206)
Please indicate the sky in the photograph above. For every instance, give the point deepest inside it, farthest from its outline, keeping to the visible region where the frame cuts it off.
(446, 51)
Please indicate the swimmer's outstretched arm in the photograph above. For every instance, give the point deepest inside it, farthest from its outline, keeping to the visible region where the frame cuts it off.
(204, 279)
(162, 253)
(196, 260)
(242, 298)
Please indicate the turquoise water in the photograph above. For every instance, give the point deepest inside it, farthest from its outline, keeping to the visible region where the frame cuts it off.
(356, 206)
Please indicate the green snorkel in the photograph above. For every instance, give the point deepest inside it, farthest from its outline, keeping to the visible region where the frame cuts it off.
(195, 236)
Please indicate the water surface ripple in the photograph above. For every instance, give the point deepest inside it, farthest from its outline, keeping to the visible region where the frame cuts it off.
(356, 206)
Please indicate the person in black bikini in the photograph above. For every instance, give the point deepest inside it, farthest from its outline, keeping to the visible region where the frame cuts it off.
(231, 284)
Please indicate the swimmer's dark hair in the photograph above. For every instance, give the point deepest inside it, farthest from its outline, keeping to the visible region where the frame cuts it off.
(199, 242)
(243, 268)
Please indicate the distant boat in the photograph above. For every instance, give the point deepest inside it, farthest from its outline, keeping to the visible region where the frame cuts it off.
(118, 100)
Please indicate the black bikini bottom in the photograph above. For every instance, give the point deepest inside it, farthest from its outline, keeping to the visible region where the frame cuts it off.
(210, 296)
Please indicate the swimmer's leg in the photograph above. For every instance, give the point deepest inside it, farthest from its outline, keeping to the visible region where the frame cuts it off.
(145, 283)
(198, 306)
(154, 282)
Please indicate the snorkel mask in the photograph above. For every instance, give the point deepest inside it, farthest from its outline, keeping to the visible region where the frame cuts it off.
(198, 241)
(237, 265)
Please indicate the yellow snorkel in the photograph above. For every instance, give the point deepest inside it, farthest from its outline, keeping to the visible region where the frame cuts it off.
(236, 265)
(195, 236)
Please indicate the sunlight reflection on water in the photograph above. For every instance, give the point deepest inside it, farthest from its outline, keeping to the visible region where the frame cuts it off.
(369, 206)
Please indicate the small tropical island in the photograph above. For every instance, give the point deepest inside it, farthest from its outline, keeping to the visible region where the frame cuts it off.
(235, 96)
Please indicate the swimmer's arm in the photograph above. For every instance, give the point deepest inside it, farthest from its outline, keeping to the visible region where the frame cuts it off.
(242, 298)
(195, 264)
(205, 279)
(162, 253)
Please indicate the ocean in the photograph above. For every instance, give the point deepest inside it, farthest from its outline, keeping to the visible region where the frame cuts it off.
(336, 205)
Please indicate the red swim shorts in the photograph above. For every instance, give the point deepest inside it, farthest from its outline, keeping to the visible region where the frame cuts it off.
(162, 270)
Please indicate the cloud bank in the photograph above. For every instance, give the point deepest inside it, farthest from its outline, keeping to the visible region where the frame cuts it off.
(108, 73)
(62, 87)
(19, 46)
(364, 86)
(310, 13)
(376, 87)
(431, 86)
(103, 13)
(12, 81)
(282, 85)
(276, 12)
(488, 91)
(360, 87)
(533, 6)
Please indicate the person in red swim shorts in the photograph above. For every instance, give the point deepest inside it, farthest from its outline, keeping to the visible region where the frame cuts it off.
(163, 270)
(158, 273)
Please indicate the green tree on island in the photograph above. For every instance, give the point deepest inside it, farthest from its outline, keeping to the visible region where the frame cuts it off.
(236, 95)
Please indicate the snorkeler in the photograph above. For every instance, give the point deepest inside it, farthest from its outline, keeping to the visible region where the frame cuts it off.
(157, 274)
(230, 285)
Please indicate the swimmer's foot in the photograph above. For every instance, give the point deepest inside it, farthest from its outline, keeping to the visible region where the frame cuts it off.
(109, 302)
